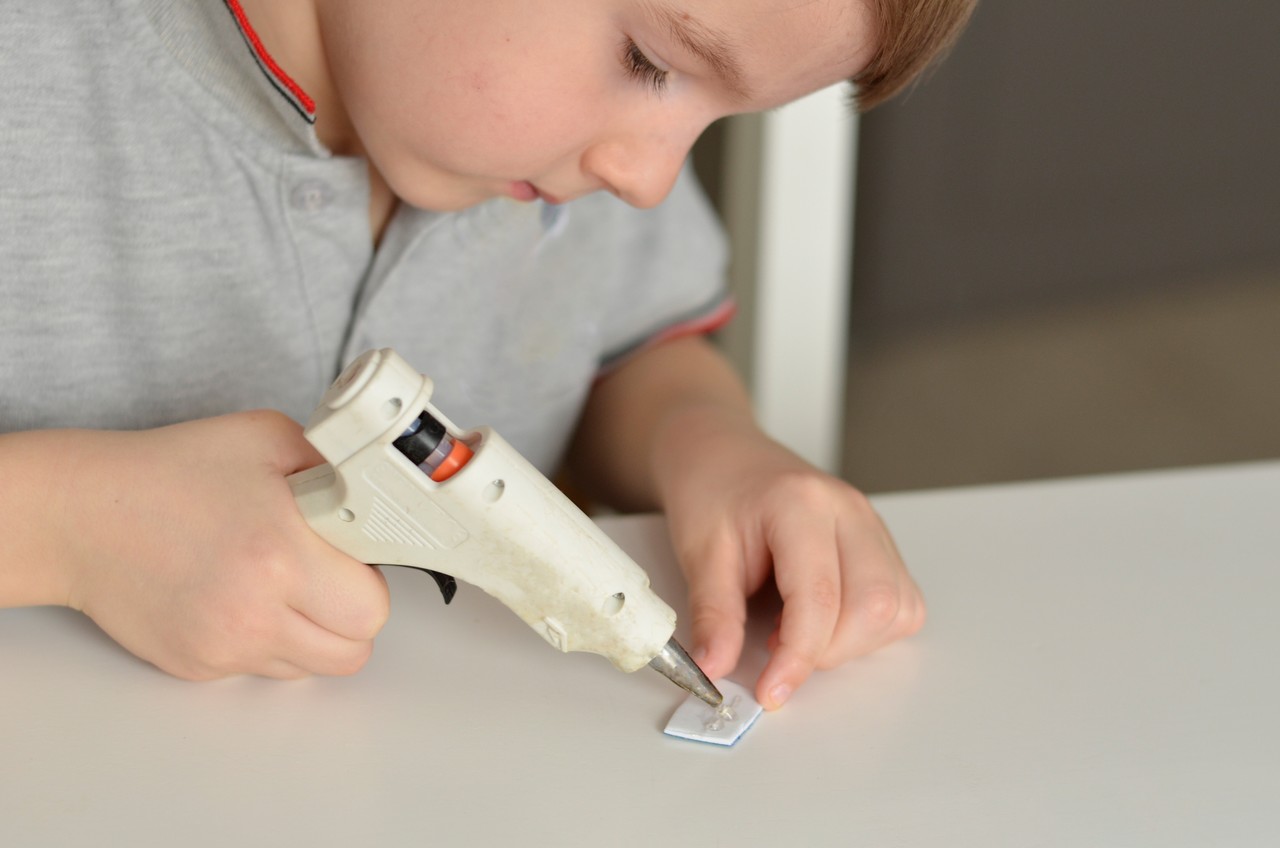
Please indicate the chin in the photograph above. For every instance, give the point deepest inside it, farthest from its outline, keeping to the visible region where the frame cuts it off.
(438, 201)
(436, 192)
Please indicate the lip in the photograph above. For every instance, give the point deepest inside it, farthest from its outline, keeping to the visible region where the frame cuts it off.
(525, 191)
(522, 190)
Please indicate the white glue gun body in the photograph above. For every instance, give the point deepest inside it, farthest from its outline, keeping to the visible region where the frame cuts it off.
(404, 486)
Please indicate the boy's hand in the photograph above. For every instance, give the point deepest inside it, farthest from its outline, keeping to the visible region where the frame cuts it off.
(672, 429)
(741, 506)
(184, 544)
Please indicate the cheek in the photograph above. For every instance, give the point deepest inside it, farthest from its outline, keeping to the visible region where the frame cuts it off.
(495, 117)
(474, 108)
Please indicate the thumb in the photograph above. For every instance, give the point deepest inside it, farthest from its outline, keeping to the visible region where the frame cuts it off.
(288, 449)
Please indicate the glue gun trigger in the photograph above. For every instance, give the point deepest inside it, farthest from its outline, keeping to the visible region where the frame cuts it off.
(448, 585)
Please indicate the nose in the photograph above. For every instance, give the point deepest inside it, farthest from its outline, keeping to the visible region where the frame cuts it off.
(639, 170)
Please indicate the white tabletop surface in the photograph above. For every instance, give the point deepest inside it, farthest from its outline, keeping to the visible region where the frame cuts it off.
(1099, 668)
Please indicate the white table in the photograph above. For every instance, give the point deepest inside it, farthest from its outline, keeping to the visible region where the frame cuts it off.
(1100, 668)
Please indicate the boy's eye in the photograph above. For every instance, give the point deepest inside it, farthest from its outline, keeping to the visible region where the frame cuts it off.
(639, 68)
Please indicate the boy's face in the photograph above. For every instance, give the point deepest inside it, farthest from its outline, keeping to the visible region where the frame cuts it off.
(459, 101)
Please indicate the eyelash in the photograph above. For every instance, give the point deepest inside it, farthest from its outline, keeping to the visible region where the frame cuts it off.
(639, 68)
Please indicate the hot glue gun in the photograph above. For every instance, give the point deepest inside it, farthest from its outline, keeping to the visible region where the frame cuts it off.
(402, 485)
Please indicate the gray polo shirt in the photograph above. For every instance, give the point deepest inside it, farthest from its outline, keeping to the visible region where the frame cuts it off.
(176, 243)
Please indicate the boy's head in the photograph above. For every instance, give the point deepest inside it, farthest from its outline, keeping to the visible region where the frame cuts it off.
(909, 35)
(458, 102)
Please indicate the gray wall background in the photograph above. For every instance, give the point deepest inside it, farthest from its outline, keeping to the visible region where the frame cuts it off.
(1072, 150)
(1066, 252)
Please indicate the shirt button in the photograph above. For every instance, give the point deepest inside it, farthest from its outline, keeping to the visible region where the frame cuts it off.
(311, 195)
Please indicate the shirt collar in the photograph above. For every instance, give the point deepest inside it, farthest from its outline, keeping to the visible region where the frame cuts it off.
(215, 44)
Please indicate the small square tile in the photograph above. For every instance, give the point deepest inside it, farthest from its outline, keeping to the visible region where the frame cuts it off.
(695, 719)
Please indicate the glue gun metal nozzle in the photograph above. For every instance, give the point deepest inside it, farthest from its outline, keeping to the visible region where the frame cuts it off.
(675, 664)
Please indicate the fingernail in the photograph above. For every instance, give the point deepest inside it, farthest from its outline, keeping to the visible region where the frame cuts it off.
(779, 694)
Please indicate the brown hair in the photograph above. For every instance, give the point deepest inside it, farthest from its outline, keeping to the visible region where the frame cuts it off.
(911, 34)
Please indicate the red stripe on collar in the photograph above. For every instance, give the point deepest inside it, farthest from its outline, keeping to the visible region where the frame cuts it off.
(268, 64)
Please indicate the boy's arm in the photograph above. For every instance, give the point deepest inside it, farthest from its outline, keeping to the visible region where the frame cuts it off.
(29, 498)
(184, 544)
(672, 429)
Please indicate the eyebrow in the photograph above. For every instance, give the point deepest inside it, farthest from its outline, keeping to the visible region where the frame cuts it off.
(710, 45)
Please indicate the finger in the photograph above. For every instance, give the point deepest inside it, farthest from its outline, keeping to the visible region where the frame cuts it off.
(342, 595)
(806, 569)
(881, 603)
(771, 644)
(279, 669)
(315, 650)
(718, 610)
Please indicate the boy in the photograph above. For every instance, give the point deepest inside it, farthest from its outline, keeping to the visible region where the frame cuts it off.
(208, 207)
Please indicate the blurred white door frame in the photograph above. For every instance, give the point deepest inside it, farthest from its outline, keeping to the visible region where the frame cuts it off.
(788, 201)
